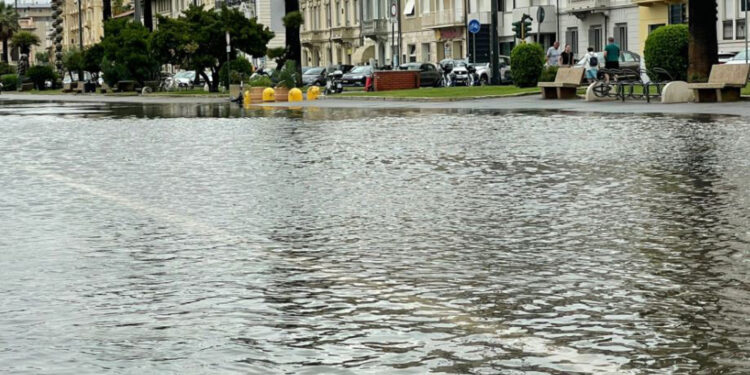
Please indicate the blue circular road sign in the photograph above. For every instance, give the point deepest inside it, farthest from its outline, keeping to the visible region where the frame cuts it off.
(474, 26)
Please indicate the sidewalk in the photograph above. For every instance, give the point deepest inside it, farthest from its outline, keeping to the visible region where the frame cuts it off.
(521, 103)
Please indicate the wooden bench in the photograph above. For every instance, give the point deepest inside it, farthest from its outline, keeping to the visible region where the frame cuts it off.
(724, 84)
(566, 83)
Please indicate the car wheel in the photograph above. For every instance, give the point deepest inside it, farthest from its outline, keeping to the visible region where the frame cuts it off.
(483, 80)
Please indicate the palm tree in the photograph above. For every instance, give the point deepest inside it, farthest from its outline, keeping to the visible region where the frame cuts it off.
(703, 47)
(8, 26)
(23, 40)
(292, 22)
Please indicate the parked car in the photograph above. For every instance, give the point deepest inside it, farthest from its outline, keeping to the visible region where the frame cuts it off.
(739, 58)
(485, 72)
(357, 77)
(314, 77)
(725, 57)
(343, 68)
(628, 60)
(429, 75)
(463, 74)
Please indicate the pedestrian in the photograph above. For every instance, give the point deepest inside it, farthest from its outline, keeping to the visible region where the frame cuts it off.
(567, 58)
(553, 54)
(591, 63)
(612, 55)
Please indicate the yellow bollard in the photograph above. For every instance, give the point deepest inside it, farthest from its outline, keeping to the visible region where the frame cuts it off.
(269, 95)
(246, 98)
(313, 92)
(295, 95)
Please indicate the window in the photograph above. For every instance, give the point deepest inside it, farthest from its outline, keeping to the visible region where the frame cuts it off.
(743, 5)
(501, 6)
(338, 16)
(621, 35)
(595, 37)
(412, 49)
(653, 27)
(328, 16)
(728, 30)
(728, 8)
(571, 37)
(677, 14)
(409, 8)
(740, 29)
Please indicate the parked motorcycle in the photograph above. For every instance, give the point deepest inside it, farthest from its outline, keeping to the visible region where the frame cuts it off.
(464, 74)
(447, 67)
(334, 84)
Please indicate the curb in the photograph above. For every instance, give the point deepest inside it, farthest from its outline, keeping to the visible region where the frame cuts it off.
(428, 100)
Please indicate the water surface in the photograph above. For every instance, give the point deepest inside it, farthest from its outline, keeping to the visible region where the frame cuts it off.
(211, 239)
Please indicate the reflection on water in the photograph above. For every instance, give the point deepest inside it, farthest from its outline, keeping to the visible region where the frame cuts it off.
(216, 239)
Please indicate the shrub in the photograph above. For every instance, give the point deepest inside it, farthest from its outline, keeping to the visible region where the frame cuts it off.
(113, 73)
(526, 63)
(241, 68)
(260, 81)
(287, 76)
(667, 48)
(548, 74)
(6, 68)
(40, 73)
(9, 81)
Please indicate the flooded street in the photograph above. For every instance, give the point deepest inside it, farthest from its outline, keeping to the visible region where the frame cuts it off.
(181, 239)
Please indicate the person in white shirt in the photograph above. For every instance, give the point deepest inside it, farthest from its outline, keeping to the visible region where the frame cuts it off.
(553, 54)
(591, 63)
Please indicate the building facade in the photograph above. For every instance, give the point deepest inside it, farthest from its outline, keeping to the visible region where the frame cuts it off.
(93, 26)
(36, 18)
(731, 29)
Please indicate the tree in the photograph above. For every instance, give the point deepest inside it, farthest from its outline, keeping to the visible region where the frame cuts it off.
(127, 49)
(92, 60)
(72, 61)
(42, 58)
(196, 40)
(24, 40)
(703, 49)
(8, 26)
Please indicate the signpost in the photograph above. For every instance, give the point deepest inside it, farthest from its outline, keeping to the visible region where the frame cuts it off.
(539, 19)
(394, 51)
(229, 69)
(474, 27)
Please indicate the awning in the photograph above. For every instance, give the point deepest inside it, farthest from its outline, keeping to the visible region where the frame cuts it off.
(363, 54)
(409, 8)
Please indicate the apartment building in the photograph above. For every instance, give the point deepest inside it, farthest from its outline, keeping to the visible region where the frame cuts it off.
(433, 30)
(331, 33)
(36, 18)
(91, 19)
(731, 25)
(271, 13)
(653, 14)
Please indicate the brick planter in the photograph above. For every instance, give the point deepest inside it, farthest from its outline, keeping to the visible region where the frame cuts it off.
(396, 80)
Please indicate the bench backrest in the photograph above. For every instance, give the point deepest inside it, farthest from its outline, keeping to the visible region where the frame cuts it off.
(569, 75)
(732, 74)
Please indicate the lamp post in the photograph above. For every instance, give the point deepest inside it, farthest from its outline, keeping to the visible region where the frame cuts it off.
(80, 37)
(746, 41)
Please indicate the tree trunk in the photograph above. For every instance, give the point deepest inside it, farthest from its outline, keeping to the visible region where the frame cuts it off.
(148, 16)
(5, 50)
(703, 48)
(294, 46)
(106, 10)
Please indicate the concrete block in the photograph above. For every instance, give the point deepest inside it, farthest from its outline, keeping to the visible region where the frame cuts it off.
(677, 92)
(591, 97)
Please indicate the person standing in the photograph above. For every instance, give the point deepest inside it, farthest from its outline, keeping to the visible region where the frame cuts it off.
(612, 55)
(553, 54)
(591, 63)
(566, 57)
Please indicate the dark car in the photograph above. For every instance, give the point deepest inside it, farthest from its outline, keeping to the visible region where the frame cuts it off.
(357, 77)
(344, 68)
(429, 76)
(314, 77)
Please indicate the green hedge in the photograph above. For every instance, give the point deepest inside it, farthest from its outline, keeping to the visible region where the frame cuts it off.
(40, 73)
(6, 68)
(9, 81)
(526, 63)
(548, 74)
(667, 48)
(241, 68)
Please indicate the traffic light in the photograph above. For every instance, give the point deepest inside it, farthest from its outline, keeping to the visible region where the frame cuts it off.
(517, 29)
(526, 29)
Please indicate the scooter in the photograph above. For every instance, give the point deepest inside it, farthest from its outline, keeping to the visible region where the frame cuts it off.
(333, 83)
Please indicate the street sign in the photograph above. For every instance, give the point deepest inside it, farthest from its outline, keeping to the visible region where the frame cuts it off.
(474, 26)
(540, 15)
(394, 9)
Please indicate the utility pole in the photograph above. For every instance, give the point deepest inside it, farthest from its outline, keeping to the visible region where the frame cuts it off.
(80, 37)
(494, 53)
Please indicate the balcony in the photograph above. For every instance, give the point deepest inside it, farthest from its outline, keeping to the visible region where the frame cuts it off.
(587, 5)
(344, 33)
(375, 28)
(313, 36)
(442, 19)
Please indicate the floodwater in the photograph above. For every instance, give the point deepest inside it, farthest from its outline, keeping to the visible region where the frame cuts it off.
(180, 239)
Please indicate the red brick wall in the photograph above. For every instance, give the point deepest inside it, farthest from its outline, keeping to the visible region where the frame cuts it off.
(396, 80)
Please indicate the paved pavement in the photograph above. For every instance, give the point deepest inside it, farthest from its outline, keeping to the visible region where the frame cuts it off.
(524, 103)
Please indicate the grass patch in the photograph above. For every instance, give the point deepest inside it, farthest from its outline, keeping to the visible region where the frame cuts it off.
(446, 92)
(38, 92)
(196, 92)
